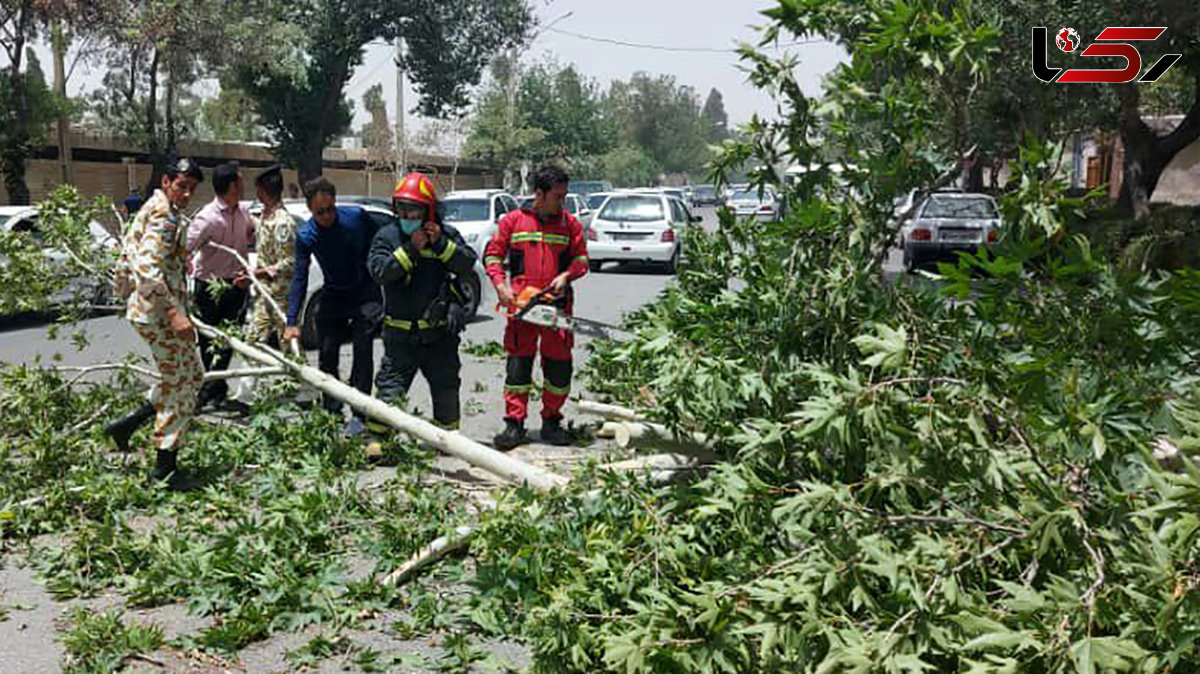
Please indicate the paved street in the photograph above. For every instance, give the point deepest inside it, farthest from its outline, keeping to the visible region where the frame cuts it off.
(606, 296)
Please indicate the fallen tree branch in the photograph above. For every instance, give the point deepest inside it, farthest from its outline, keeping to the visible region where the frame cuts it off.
(429, 554)
(647, 434)
(611, 412)
(208, 376)
(451, 442)
(263, 292)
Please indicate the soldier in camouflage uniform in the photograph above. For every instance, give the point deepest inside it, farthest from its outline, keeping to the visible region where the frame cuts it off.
(152, 278)
(276, 247)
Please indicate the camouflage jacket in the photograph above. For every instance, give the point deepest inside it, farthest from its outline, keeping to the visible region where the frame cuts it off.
(155, 252)
(275, 234)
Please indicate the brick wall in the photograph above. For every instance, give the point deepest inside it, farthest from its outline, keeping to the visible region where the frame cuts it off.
(108, 166)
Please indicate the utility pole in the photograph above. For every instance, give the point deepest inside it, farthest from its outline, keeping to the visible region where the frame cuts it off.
(58, 39)
(401, 141)
(511, 121)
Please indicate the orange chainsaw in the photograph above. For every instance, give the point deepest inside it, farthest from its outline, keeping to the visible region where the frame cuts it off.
(539, 308)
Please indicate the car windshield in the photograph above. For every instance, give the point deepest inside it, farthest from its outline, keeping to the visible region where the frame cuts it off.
(596, 201)
(633, 209)
(466, 210)
(3, 219)
(959, 208)
(750, 196)
(706, 191)
(586, 186)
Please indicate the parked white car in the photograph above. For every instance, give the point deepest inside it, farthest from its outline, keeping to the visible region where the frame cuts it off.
(24, 219)
(750, 203)
(636, 227)
(946, 222)
(475, 214)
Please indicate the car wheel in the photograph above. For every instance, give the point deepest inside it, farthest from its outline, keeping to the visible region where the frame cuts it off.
(309, 338)
(673, 263)
(595, 265)
(474, 290)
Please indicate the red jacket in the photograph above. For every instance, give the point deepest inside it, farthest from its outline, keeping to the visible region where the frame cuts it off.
(534, 252)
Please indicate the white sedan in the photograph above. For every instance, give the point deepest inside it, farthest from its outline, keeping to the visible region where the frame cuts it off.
(24, 220)
(638, 228)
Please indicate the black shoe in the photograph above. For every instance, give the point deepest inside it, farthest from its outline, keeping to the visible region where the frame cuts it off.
(513, 435)
(164, 465)
(166, 471)
(237, 407)
(122, 429)
(553, 433)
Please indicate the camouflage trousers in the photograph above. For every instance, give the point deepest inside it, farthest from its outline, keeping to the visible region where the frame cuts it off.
(174, 396)
(264, 322)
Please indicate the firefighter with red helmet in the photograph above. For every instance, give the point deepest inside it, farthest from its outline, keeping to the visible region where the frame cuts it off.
(543, 248)
(421, 263)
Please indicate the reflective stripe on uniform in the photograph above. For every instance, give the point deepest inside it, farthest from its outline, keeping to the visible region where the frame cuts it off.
(401, 324)
(491, 260)
(519, 388)
(561, 239)
(524, 237)
(551, 388)
(451, 249)
(582, 258)
(402, 258)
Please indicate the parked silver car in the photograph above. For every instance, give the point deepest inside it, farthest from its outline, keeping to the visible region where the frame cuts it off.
(638, 228)
(750, 203)
(946, 222)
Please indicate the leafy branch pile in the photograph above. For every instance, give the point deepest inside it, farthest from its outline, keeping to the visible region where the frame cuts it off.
(920, 477)
(286, 534)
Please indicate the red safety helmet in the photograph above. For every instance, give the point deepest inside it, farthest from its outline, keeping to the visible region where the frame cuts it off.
(416, 188)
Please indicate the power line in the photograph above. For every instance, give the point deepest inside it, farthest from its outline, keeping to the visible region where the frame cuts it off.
(659, 47)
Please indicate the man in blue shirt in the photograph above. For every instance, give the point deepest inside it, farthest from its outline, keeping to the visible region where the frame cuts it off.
(350, 307)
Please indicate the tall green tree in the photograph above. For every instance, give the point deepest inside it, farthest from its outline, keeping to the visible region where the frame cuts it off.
(501, 133)
(157, 49)
(448, 44)
(661, 117)
(714, 118)
(24, 101)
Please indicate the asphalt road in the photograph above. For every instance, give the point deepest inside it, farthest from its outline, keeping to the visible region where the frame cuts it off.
(604, 296)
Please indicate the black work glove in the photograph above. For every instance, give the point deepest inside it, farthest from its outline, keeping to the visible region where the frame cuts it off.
(456, 319)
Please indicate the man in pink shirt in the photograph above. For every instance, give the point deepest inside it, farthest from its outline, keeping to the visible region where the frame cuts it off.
(221, 290)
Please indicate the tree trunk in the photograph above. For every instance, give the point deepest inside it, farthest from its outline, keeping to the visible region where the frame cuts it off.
(170, 120)
(157, 157)
(59, 39)
(311, 163)
(15, 154)
(1146, 153)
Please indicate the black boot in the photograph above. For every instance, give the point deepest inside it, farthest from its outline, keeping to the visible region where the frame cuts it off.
(123, 429)
(513, 435)
(167, 471)
(553, 433)
(165, 467)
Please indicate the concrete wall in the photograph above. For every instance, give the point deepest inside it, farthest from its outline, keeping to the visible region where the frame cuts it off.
(109, 166)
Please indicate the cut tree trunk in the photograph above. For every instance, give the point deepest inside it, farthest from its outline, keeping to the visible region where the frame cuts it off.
(451, 442)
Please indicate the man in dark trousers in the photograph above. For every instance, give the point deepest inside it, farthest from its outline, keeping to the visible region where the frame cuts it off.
(221, 283)
(340, 238)
(419, 261)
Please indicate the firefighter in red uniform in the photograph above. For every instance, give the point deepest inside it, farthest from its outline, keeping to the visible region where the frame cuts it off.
(543, 247)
